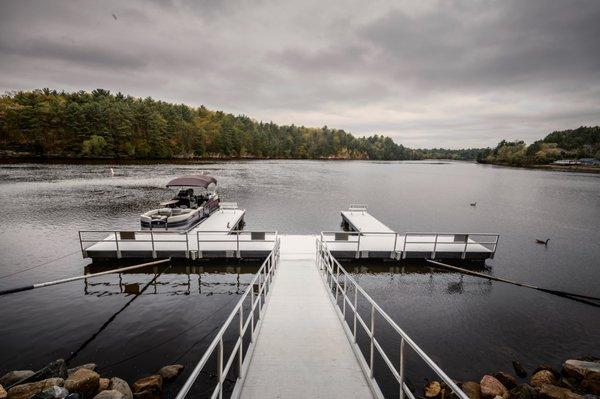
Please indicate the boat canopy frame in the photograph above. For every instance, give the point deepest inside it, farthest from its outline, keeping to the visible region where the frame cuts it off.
(192, 181)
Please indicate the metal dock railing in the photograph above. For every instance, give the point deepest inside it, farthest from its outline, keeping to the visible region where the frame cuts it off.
(259, 299)
(339, 282)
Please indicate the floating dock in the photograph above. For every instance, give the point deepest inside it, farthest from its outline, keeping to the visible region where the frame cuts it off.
(217, 236)
(367, 237)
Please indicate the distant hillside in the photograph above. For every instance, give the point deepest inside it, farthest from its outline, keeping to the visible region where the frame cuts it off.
(583, 142)
(103, 125)
(98, 124)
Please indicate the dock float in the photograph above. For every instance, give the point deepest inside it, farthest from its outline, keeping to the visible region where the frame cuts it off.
(217, 236)
(368, 238)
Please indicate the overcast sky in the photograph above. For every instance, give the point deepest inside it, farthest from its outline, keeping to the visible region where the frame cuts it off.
(427, 73)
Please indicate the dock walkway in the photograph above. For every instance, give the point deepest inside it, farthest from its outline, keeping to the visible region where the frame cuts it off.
(302, 350)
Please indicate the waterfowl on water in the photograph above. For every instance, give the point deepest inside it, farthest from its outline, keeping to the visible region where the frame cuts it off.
(473, 203)
(112, 172)
(538, 241)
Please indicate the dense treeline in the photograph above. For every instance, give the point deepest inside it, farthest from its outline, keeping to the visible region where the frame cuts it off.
(583, 142)
(444, 153)
(100, 124)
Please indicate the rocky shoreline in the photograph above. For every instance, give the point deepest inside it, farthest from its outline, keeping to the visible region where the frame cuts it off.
(55, 381)
(577, 379)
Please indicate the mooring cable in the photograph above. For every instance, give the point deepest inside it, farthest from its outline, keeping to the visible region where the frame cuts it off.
(40, 265)
(587, 299)
(85, 276)
(114, 316)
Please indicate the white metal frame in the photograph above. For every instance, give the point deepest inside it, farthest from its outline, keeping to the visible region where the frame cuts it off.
(332, 272)
(402, 251)
(227, 238)
(264, 279)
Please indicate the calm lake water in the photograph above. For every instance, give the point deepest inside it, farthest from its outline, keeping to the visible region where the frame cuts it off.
(468, 325)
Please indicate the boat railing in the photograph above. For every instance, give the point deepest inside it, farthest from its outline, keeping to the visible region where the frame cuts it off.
(133, 238)
(428, 242)
(345, 293)
(249, 318)
(235, 240)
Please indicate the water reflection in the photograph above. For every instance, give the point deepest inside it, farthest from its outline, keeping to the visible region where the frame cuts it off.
(434, 281)
(195, 279)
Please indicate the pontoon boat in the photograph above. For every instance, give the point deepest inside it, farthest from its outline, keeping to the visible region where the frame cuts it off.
(187, 208)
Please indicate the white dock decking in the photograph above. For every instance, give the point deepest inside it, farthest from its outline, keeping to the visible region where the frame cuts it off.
(302, 351)
(370, 238)
(216, 236)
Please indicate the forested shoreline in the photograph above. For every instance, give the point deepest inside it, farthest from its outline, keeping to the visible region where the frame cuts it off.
(48, 124)
(101, 125)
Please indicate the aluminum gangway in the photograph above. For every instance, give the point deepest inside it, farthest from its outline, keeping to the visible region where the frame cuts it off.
(288, 334)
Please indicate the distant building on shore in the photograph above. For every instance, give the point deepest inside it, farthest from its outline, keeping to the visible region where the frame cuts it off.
(590, 161)
(582, 161)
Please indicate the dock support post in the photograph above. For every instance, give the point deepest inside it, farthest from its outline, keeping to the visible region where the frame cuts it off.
(464, 254)
(358, 247)
(152, 240)
(117, 243)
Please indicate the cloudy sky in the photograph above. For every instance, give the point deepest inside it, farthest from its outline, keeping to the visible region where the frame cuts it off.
(427, 73)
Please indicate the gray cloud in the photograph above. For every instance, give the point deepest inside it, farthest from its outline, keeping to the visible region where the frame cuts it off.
(428, 73)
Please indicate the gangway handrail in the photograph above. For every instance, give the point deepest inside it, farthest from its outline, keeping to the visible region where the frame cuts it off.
(264, 278)
(332, 271)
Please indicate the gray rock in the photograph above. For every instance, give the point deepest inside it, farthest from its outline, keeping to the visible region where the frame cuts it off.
(122, 386)
(579, 369)
(171, 371)
(548, 391)
(151, 383)
(87, 366)
(56, 392)
(109, 394)
(12, 377)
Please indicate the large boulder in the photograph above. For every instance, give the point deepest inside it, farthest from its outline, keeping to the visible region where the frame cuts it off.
(171, 371)
(543, 377)
(25, 391)
(471, 389)
(491, 387)
(579, 369)
(523, 391)
(548, 391)
(122, 386)
(148, 394)
(89, 366)
(3, 393)
(547, 367)
(12, 377)
(109, 394)
(152, 383)
(591, 384)
(84, 382)
(506, 379)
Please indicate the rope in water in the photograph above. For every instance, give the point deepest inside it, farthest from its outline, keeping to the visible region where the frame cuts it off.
(587, 299)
